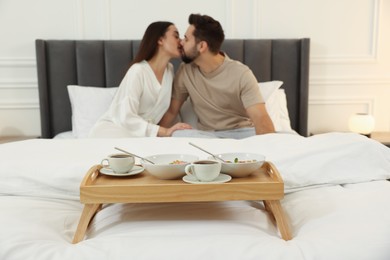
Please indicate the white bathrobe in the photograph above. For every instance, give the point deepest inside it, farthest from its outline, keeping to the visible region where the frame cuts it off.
(138, 106)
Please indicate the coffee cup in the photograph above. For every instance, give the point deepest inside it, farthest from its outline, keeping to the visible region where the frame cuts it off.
(204, 170)
(120, 163)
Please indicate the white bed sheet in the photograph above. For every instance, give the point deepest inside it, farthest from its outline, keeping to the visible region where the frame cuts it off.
(337, 222)
(55, 168)
(337, 200)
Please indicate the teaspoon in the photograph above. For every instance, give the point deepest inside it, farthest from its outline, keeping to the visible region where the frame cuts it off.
(119, 149)
(216, 157)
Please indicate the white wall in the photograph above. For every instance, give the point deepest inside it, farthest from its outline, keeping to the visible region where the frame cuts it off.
(350, 47)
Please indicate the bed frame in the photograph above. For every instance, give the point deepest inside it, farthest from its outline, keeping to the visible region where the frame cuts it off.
(103, 63)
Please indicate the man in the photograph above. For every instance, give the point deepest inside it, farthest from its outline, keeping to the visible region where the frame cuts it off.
(224, 93)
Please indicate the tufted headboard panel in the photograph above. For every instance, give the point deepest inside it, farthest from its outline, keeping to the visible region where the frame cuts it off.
(103, 63)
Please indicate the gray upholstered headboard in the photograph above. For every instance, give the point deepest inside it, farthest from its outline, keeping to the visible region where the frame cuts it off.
(103, 63)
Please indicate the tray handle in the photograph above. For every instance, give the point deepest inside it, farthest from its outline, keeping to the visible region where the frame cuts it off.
(91, 175)
(272, 171)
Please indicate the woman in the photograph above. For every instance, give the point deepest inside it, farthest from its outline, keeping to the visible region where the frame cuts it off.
(145, 92)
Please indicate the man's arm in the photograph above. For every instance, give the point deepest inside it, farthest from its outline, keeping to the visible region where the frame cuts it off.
(172, 112)
(260, 118)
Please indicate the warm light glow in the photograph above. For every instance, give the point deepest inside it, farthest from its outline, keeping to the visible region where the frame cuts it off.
(362, 123)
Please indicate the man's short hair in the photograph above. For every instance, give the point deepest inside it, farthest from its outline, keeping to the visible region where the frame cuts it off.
(207, 29)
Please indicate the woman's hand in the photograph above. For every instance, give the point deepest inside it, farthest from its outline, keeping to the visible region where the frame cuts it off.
(166, 132)
(178, 126)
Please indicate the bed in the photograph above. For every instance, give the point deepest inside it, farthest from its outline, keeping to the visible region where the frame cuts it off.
(336, 190)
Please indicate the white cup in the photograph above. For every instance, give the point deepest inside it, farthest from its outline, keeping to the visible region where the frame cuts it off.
(204, 170)
(120, 163)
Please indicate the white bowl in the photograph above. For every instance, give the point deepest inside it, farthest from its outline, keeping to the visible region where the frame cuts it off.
(241, 169)
(163, 167)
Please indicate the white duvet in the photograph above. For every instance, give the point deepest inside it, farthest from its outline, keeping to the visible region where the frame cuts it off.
(337, 200)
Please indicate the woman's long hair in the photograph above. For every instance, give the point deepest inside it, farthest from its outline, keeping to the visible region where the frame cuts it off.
(148, 46)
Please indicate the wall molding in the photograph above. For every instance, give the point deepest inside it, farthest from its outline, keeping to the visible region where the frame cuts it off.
(256, 18)
(18, 84)
(108, 18)
(17, 62)
(31, 61)
(104, 8)
(229, 28)
(372, 57)
(349, 81)
(79, 23)
(19, 105)
(367, 101)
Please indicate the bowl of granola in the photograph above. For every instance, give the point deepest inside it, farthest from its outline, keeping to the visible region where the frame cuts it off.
(240, 165)
(168, 166)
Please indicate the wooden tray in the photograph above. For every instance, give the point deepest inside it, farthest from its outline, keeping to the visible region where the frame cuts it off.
(265, 183)
(96, 189)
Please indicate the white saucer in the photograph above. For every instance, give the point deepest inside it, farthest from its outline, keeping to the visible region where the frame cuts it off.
(108, 171)
(220, 179)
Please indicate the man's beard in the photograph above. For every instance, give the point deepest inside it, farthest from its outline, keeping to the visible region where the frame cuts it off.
(188, 58)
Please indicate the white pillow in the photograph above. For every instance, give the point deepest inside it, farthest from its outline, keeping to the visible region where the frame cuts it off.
(275, 103)
(65, 135)
(268, 88)
(276, 106)
(88, 105)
